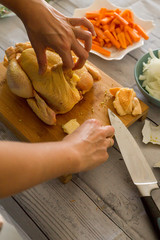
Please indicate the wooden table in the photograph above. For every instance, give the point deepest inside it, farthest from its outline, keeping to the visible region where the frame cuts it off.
(102, 203)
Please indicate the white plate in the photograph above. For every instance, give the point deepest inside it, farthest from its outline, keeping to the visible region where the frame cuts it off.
(115, 53)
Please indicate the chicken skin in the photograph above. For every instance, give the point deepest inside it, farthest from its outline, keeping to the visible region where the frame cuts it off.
(54, 92)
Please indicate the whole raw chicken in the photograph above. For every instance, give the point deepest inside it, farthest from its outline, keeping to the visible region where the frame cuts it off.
(54, 92)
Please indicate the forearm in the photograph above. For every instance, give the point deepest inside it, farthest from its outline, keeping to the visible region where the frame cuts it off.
(24, 165)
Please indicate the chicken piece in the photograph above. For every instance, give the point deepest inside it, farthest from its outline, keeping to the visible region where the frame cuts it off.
(54, 92)
(126, 101)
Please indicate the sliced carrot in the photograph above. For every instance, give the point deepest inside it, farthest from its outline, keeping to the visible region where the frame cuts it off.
(121, 19)
(99, 32)
(101, 50)
(95, 42)
(106, 20)
(112, 39)
(133, 34)
(92, 14)
(109, 14)
(128, 38)
(113, 91)
(92, 21)
(107, 40)
(105, 27)
(108, 45)
(114, 34)
(141, 31)
(114, 27)
(127, 15)
(118, 30)
(122, 39)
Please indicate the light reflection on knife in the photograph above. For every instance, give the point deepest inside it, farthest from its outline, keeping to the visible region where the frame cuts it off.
(138, 168)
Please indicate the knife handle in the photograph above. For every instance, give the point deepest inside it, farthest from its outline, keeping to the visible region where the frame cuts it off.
(153, 212)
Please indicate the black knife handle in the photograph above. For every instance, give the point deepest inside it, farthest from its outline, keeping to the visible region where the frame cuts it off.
(153, 212)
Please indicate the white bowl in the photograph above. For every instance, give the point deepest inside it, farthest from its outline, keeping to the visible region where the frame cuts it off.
(116, 54)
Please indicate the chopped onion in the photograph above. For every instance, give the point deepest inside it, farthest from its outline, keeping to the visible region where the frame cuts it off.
(151, 75)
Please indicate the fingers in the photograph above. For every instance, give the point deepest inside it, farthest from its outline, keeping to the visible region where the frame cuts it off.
(41, 57)
(84, 35)
(67, 59)
(107, 131)
(81, 53)
(109, 142)
(82, 22)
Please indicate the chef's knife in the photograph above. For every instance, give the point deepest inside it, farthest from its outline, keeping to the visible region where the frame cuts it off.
(138, 168)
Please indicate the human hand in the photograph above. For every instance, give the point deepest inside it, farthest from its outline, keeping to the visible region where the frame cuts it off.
(89, 143)
(46, 27)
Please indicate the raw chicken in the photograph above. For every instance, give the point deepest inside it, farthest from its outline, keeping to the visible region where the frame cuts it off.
(54, 92)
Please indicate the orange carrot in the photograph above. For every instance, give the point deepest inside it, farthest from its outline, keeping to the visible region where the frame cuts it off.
(127, 15)
(112, 39)
(106, 20)
(92, 14)
(95, 42)
(122, 39)
(101, 50)
(114, 27)
(133, 34)
(118, 30)
(105, 27)
(108, 45)
(99, 32)
(121, 19)
(128, 38)
(114, 34)
(92, 21)
(141, 31)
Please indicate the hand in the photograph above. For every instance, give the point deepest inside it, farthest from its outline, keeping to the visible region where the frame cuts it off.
(90, 143)
(46, 27)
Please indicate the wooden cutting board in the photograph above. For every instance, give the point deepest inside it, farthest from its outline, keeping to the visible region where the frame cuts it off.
(19, 118)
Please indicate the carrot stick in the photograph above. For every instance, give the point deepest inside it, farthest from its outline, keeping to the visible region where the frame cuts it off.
(118, 30)
(127, 15)
(105, 27)
(122, 39)
(121, 19)
(99, 32)
(128, 38)
(133, 34)
(112, 39)
(92, 21)
(106, 20)
(109, 14)
(112, 26)
(95, 42)
(92, 14)
(101, 50)
(141, 31)
(114, 34)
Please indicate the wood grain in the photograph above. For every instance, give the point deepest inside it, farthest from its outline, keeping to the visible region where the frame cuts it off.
(17, 115)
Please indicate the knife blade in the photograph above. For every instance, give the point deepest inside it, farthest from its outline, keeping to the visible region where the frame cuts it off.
(138, 168)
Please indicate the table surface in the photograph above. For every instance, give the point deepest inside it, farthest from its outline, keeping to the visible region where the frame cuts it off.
(102, 203)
